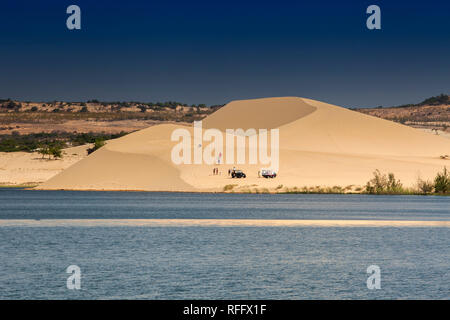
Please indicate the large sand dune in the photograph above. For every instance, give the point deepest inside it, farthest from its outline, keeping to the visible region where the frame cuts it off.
(320, 145)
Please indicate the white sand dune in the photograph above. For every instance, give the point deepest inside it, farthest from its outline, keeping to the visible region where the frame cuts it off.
(320, 145)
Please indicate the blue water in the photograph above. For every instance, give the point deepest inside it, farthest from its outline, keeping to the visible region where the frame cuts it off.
(23, 204)
(194, 262)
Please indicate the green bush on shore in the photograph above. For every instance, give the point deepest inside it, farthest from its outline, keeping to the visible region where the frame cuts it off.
(387, 184)
(442, 182)
(424, 187)
(384, 184)
(229, 187)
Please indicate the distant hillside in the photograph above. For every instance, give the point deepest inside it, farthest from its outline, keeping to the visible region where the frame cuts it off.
(56, 111)
(24, 125)
(443, 99)
(432, 113)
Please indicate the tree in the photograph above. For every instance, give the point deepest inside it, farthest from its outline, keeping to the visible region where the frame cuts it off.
(56, 151)
(51, 149)
(44, 150)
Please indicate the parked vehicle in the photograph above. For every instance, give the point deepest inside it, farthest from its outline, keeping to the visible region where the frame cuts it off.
(268, 174)
(238, 174)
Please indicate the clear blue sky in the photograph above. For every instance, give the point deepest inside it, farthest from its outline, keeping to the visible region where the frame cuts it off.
(216, 51)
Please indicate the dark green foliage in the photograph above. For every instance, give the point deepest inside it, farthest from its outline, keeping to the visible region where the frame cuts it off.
(52, 149)
(387, 184)
(424, 187)
(436, 101)
(33, 142)
(442, 99)
(43, 149)
(442, 182)
(56, 151)
(91, 137)
(99, 142)
(142, 108)
(10, 105)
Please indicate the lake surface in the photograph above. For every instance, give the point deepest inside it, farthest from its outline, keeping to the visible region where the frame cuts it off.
(44, 232)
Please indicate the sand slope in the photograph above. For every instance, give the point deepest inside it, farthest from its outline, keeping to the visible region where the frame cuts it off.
(259, 113)
(320, 144)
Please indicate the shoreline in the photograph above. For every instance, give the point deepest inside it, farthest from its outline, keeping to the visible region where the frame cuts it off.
(29, 186)
(32, 188)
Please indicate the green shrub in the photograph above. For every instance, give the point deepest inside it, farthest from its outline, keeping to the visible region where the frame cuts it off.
(56, 151)
(43, 150)
(31, 142)
(424, 187)
(97, 145)
(442, 182)
(384, 184)
(229, 187)
(50, 149)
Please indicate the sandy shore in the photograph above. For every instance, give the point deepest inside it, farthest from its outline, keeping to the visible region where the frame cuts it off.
(22, 168)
